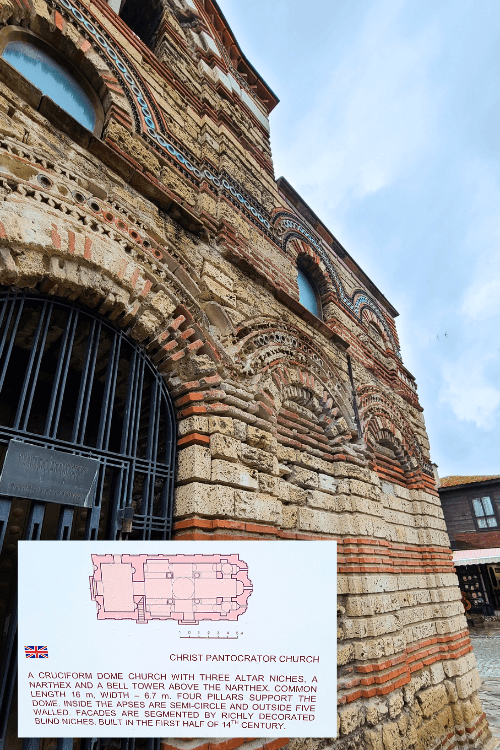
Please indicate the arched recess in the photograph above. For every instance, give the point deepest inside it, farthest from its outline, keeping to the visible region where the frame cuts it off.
(311, 403)
(376, 331)
(309, 418)
(109, 280)
(119, 280)
(393, 448)
(143, 18)
(156, 319)
(366, 308)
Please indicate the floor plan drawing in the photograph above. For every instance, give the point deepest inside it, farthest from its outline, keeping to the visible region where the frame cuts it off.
(185, 588)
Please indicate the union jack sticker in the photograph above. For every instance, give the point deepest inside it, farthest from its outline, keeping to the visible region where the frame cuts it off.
(36, 652)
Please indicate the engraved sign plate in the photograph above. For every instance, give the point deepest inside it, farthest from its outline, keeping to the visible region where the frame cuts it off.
(52, 476)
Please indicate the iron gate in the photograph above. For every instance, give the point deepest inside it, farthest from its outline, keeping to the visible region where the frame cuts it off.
(71, 381)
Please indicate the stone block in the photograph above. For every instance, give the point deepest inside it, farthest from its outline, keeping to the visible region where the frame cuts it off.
(214, 273)
(224, 425)
(163, 304)
(296, 494)
(327, 483)
(194, 463)
(391, 738)
(341, 469)
(468, 684)
(350, 719)
(402, 492)
(376, 711)
(373, 739)
(204, 500)
(317, 499)
(322, 522)
(256, 458)
(451, 691)
(261, 439)
(395, 703)
(234, 474)
(345, 654)
(364, 489)
(290, 516)
(257, 507)
(303, 477)
(286, 455)
(219, 293)
(271, 485)
(193, 424)
(224, 446)
(433, 700)
(240, 430)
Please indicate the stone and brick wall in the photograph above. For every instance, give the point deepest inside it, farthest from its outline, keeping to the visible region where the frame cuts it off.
(169, 221)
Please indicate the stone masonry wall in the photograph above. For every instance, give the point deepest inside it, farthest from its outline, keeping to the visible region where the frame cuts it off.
(168, 220)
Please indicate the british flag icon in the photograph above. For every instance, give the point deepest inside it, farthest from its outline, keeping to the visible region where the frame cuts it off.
(36, 652)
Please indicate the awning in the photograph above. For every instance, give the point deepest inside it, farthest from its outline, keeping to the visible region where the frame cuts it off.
(476, 556)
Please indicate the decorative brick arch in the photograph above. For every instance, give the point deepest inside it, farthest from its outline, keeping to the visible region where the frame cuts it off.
(368, 317)
(311, 416)
(97, 258)
(367, 309)
(384, 427)
(266, 344)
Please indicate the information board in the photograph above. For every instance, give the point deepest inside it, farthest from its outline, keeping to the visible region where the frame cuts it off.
(176, 639)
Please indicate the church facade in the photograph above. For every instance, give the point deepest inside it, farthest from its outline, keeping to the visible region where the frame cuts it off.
(171, 308)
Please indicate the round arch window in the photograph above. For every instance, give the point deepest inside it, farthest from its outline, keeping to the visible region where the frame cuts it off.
(308, 296)
(54, 76)
(52, 79)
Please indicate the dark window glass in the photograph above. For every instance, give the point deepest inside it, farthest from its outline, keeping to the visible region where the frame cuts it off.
(52, 79)
(307, 294)
(485, 515)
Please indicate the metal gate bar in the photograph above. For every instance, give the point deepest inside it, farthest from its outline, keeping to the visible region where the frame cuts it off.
(87, 377)
(30, 378)
(63, 363)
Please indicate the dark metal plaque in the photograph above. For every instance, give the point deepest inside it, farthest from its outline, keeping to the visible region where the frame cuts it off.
(52, 476)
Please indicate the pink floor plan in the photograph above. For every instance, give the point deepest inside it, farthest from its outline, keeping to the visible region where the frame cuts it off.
(186, 588)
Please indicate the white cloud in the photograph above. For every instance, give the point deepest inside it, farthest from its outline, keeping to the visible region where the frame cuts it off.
(374, 113)
(468, 392)
(481, 298)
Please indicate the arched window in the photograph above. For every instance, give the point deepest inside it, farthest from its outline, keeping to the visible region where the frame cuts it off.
(33, 59)
(308, 296)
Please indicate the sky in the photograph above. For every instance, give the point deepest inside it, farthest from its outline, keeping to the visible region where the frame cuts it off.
(389, 127)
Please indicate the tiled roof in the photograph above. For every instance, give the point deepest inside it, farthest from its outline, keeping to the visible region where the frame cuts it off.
(452, 481)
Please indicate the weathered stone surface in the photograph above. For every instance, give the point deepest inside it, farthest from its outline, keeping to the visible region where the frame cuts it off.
(233, 474)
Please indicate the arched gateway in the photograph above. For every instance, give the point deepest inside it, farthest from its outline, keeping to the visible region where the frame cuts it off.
(72, 382)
